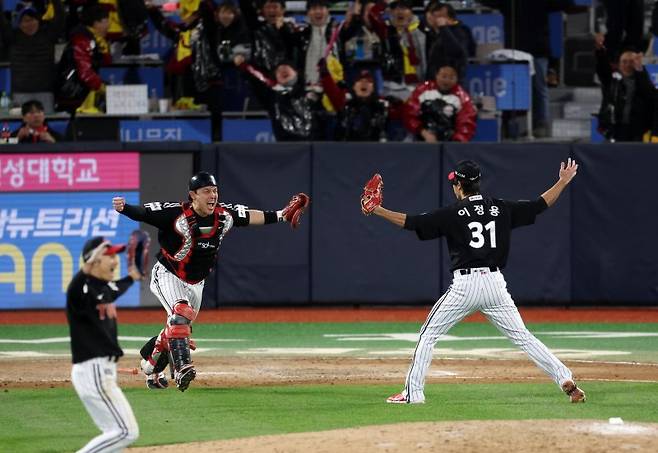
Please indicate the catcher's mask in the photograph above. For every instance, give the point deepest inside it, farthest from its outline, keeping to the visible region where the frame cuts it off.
(201, 179)
(466, 171)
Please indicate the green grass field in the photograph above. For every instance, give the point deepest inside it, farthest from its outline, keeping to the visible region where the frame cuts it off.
(54, 420)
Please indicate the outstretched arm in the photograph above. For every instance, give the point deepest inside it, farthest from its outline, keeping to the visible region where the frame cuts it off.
(396, 218)
(291, 213)
(567, 173)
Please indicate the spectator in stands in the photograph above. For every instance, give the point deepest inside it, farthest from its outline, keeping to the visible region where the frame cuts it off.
(79, 85)
(292, 108)
(526, 29)
(34, 128)
(624, 25)
(629, 106)
(312, 39)
(362, 47)
(362, 114)
(448, 41)
(440, 110)
(403, 44)
(128, 23)
(221, 36)
(178, 69)
(272, 36)
(32, 52)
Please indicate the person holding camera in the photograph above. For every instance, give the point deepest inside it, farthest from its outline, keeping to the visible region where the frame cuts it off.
(440, 110)
(34, 128)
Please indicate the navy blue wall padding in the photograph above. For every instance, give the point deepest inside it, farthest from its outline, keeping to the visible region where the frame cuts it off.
(260, 264)
(358, 258)
(539, 264)
(614, 243)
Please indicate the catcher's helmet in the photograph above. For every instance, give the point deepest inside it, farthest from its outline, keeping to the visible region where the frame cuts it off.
(201, 179)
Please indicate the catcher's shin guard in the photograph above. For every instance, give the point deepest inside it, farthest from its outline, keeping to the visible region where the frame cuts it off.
(178, 334)
(153, 361)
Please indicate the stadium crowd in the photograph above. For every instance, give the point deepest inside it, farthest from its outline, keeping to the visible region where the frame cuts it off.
(383, 62)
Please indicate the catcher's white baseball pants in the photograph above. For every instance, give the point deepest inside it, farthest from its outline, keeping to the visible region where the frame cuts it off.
(485, 291)
(169, 289)
(95, 381)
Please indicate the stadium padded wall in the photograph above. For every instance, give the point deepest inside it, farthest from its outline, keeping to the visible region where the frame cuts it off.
(595, 246)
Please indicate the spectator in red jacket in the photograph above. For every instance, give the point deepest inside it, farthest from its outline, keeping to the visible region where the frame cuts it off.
(440, 110)
(79, 68)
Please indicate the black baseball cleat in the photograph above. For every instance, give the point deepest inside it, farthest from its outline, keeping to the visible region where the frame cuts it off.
(184, 376)
(157, 381)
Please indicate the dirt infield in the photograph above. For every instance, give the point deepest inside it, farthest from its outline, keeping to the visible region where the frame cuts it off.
(256, 371)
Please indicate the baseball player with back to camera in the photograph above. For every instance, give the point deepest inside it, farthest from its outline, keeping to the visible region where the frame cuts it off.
(477, 229)
(189, 235)
(92, 318)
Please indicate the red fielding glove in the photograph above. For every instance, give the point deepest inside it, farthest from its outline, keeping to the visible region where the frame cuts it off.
(372, 195)
(296, 207)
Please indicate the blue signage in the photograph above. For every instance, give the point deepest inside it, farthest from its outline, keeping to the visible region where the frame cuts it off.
(41, 239)
(487, 130)
(156, 42)
(175, 129)
(10, 5)
(251, 130)
(509, 83)
(652, 69)
(485, 28)
(5, 80)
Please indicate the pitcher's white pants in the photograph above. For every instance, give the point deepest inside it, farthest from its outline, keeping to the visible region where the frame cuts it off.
(95, 381)
(485, 291)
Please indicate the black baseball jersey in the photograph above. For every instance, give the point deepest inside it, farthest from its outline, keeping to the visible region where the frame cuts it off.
(189, 243)
(477, 228)
(90, 336)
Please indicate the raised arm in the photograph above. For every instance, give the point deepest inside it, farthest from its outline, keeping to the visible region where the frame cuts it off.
(567, 173)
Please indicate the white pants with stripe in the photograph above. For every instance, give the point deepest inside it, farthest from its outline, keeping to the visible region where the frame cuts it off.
(95, 381)
(169, 289)
(485, 291)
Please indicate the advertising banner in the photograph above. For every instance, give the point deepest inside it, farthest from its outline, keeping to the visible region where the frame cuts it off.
(166, 130)
(50, 205)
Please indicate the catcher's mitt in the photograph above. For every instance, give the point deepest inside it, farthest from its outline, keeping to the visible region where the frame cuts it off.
(296, 207)
(373, 194)
(137, 250)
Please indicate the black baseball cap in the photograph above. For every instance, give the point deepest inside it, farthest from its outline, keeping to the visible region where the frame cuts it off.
(201, 179)
(94, 242)
(465, 170)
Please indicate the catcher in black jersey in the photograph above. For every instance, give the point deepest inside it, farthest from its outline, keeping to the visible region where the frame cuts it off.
(477, 229)
(189, 234)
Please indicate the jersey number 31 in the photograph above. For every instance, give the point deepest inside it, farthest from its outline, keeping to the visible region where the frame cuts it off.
(477, 230)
